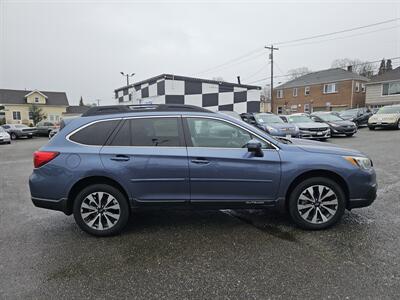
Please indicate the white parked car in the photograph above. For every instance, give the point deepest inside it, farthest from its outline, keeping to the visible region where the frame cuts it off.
(4, 136)
(387, 116)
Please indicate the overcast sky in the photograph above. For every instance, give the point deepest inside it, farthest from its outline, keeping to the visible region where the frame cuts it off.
(81, 48)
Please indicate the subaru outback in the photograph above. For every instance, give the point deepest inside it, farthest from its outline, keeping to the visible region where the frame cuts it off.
(115, 160)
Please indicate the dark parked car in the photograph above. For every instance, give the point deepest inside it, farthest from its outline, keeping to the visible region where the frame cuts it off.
(44, 127)
(273, 125)
(53, 132)
(308, 128)
(108, 163)
(337, 124)
(359, 116)
(17, 131)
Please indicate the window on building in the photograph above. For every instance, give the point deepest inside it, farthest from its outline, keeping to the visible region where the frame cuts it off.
(293, 108)
(357, 87)
(30, 115)
(279, 110)
(36, 99)
(391, 88)
(295, 92)
(307, 90)
(363, 87)
(306, 108)
(330, 88)
(16, 115)
(279, 94)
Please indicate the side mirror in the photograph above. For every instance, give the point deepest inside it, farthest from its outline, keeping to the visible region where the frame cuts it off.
(255, 147)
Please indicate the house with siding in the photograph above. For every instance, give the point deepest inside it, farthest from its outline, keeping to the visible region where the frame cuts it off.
(326, 90)
(16, 105)
(384, 89)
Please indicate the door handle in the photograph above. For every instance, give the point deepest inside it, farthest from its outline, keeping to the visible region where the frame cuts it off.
(120, 157)
(200, 161)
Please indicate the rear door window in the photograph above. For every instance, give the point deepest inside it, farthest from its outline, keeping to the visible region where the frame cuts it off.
(95, 134)
(150, 132)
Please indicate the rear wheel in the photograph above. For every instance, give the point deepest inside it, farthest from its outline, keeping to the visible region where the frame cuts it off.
(13, 136)
(101, 210)
(317, 203)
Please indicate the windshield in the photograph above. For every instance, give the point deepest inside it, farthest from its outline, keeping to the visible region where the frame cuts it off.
(329, 117)
(299, 119)
(21, 126)
(268, 118)
(350, 112)
(389, 110)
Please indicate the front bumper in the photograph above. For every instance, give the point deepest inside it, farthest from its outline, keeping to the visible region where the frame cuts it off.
(286, 133)
(370, 197)
(382, 124)
(343, 130)
(5, 140)
(306, 134)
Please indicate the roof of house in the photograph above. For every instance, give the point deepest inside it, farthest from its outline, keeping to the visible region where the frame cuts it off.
(77, 109)
(18, 97)
(387, 76)
(185, 78)
(324, 76)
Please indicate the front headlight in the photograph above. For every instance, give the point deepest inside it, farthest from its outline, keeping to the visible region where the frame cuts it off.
(271, 129)
(361, 162)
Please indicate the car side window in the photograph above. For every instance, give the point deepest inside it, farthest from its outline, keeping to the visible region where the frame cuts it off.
(217, 134)
(95, 134)
(149, 132)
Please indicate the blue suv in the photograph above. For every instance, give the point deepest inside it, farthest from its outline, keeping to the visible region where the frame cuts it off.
(117, 159)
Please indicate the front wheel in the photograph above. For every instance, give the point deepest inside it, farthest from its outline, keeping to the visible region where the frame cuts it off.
(371, 127)
(13, 136)
(398, 125)
(317, 203)
(101, 210)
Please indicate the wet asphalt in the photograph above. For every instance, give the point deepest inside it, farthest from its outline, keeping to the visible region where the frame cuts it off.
(202, 255)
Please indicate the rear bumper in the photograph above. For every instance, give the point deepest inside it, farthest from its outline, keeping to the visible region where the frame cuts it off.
(60, 204)
(370, 196)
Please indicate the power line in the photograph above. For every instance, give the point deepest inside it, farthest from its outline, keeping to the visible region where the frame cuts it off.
(231, 61)
(342, 37)
(337, 32)
(353, 65)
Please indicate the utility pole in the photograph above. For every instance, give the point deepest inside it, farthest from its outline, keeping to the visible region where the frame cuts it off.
(271, 57)
(98, 102)
(127, 77)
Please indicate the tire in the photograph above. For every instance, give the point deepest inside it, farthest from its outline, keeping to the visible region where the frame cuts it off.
(398, 125)
(13, 136)
(30, 136)
(371, 127)
(303, 211)
(86, 212)
(350, 134)
(9, 142)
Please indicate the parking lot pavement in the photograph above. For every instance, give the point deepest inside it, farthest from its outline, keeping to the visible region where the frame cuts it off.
(223, 254)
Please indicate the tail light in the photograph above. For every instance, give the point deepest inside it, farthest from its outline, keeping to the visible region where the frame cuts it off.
(41, 158)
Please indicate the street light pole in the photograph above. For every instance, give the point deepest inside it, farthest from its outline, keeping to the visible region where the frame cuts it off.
(127, 77)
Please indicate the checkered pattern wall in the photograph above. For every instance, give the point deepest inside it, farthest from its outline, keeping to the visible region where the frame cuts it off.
(213, 96)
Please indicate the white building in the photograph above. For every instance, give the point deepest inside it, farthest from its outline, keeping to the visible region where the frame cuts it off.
(174, 89)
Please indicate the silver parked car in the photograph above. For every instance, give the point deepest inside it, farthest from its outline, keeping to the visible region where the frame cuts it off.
(17, 131)
(4, 136)
(308, 128)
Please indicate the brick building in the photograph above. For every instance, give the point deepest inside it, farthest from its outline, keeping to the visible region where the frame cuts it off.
(332, 89)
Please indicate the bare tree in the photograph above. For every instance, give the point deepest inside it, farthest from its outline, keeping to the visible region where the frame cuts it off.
(298, 72)
(358, 66)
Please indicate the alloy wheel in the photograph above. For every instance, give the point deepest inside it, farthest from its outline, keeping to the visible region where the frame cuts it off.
(317, 204)
(100, 210)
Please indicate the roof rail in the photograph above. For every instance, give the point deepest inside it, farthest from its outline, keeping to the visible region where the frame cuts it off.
(118, 109)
